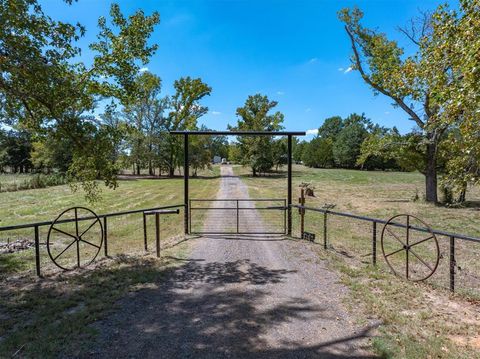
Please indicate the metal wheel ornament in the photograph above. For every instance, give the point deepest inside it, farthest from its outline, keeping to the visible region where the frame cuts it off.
(75, 238)
(407, 256)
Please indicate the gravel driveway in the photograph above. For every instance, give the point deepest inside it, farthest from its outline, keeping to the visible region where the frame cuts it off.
(238, 297)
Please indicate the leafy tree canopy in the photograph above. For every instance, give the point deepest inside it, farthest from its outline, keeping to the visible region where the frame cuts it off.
(45, 86)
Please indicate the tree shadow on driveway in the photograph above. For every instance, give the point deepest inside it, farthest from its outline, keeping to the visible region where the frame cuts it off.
(216, 310)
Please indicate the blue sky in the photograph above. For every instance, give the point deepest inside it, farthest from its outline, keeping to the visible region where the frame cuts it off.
(296, 52)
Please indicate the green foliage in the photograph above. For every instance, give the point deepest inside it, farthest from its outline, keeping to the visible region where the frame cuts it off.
(437, 86)
(298, 149)
(34, 181)
(318, 153)
(331, 127)
(186, 109)
(346, 147)
(47, 89)
(257, 151)
(15, 147)
(279, 153)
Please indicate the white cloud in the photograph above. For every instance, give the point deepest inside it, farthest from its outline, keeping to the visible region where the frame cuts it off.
(313, 60)
(387, 112)
(280, 93)
(308, 109)
(341, 69)
(215, 113)
(143, 69)
(348, 70)
(312, 132)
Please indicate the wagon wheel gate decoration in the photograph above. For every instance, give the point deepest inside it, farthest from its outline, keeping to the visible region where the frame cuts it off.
(75, 238)
(409, 252)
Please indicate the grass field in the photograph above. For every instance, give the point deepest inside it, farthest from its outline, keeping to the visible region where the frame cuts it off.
(419, 320)
(53, 316)
(125, 233)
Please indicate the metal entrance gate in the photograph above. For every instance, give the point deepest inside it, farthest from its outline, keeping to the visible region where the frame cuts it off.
(237, 216)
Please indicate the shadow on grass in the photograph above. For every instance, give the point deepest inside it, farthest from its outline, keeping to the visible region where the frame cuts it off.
(140, 307)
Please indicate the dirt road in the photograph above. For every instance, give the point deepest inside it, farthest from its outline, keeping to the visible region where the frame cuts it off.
(238, 297)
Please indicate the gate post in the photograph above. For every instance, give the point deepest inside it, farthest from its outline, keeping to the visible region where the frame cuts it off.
(289, 185)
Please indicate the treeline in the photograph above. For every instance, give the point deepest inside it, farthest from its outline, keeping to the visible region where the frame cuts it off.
(138, 137)
(338, 144)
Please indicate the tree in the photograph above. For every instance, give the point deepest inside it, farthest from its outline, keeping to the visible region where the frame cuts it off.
(279, 153)
(145, 116)
(298, 149)
(15, 147)
(331, 127)
(185, 111)
(256, 152)
(318, 153)
(383, 66)
(45, 87)
(346, 147)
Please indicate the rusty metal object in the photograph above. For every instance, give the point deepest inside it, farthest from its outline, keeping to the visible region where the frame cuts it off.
(86, 249)
(404, 248)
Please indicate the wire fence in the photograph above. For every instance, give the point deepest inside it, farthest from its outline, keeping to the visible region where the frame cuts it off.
(24, 247)
(358, 240)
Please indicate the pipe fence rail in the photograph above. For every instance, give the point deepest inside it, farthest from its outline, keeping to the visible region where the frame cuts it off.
(237, 216)
(105, 219)
(450, 244)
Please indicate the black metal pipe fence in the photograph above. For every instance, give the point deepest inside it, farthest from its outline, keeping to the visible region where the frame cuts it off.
(106, 219)
(237, 216)
(333, 230)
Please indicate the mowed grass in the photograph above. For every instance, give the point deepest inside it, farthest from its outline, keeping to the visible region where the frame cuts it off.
(125, 233)
(55, 316)
(422, 320)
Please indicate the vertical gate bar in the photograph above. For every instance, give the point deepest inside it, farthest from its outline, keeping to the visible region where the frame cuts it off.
(237, 218)
(325, 230)
(105, 236)
(145, 242)
(185, 180)
(452, 264)
(302, 212)
(78, 242)
(37, 251)
(285, 216)
(157, 233)
(289, 185)
(374, 244)
(189, 229)
(407, 249)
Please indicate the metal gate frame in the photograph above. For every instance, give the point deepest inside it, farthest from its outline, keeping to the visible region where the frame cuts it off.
(237, 208)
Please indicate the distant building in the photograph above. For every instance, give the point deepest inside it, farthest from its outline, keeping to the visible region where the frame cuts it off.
(217, 159)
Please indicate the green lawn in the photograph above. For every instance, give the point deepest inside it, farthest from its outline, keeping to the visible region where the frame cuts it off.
(125, 233)
(420, 320)
(53, 317)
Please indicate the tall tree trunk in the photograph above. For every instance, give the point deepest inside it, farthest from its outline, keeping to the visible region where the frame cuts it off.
(138, 169)
(431, 172)
(171, 171)
(150, 168)
(254, 172)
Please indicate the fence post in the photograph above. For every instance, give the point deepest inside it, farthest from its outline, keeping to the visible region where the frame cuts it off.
(374, 243)
(302, 212)
(105, 236)
(157, 233)
(237, 218)
(37, 251)
(145, 244)
(189, 229)
(452, 264)
(325, 230)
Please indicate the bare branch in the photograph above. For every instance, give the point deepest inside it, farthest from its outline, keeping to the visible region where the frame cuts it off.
(377, 87)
